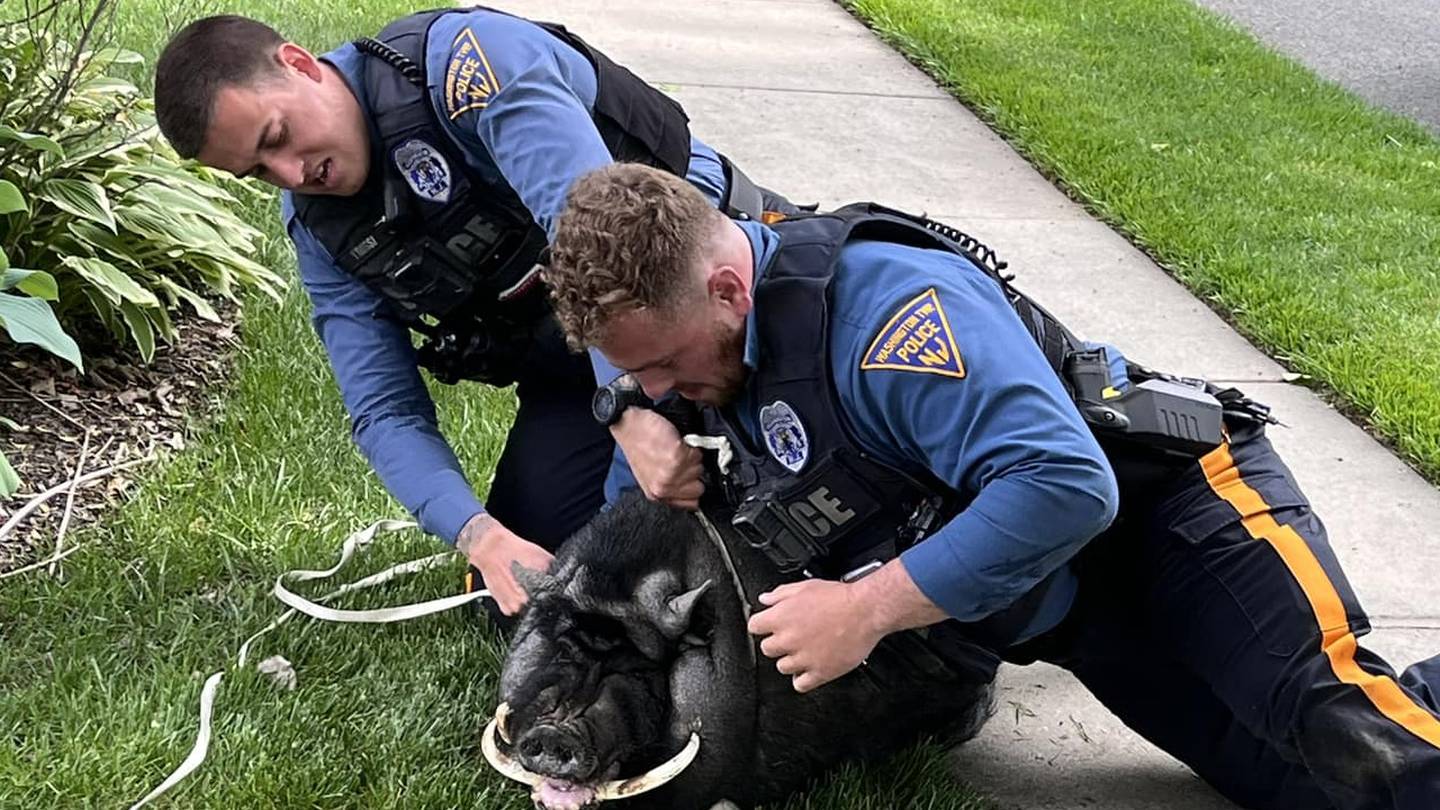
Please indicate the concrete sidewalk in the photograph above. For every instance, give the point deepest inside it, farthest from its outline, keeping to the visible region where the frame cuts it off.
(812, 104)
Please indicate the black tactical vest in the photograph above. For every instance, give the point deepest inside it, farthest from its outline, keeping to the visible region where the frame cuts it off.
(842, 512)
(457, 258)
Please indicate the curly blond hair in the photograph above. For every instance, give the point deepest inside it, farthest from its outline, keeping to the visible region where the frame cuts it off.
(631, 237)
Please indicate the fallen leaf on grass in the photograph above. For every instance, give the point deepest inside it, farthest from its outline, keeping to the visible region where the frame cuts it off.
(280, 671)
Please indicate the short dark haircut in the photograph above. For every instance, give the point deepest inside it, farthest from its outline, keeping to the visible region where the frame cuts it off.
(201, 59)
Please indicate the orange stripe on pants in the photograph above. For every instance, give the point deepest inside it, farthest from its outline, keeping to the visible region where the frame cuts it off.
(1336, 640)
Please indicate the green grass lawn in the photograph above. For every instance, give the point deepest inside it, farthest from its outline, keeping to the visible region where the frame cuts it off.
(1309, 217)
(100, 674)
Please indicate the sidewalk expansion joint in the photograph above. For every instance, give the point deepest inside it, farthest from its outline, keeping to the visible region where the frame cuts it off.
(1058, 217)
(856, 93)
(1405, 622)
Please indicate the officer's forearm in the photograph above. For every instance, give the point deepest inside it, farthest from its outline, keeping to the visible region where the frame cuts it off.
(473, 531)
(418, 467)
(894, 601)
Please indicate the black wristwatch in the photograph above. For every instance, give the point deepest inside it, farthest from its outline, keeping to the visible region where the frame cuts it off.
(610, 401)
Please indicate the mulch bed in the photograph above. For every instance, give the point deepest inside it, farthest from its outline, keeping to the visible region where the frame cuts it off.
(131, 411)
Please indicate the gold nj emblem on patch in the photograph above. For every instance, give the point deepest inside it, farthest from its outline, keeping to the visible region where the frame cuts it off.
(469, 80)
(917, 339)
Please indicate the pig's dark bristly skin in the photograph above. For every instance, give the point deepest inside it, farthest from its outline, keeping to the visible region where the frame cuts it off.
(637, 637)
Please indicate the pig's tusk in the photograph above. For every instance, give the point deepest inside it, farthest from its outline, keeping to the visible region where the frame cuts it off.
(657, 776)
(609, 791)
(502, 716)
(507, 767)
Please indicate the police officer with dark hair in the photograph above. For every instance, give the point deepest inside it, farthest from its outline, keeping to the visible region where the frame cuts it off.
(423, 171)
(934, 451)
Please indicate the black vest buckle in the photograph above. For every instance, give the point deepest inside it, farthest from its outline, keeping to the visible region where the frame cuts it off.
(762, 520)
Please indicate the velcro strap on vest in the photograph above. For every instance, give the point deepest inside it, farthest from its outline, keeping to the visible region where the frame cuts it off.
(743, 199)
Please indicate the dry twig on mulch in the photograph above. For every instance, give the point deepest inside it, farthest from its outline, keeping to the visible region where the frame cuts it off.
(131, 411)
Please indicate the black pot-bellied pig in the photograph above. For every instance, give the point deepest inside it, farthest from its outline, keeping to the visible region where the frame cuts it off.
(631, 665)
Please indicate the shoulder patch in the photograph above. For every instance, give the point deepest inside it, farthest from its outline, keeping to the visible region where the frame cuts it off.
(469, 79)
(917, 339)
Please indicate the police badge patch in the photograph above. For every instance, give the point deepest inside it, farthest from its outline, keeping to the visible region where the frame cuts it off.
(784, 435)
(425, 169)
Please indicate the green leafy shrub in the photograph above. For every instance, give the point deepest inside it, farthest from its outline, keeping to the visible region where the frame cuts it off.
(104, 231)
(91, 195)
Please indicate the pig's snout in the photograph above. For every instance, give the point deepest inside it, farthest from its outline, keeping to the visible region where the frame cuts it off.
(559, 752)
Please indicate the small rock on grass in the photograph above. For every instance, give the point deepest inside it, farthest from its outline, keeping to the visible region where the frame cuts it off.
(280, 671)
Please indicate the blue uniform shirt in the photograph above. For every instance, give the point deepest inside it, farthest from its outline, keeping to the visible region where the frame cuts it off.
(521, 118)
(982, 411)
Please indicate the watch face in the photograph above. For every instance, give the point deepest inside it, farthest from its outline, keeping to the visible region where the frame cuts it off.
(603, 406)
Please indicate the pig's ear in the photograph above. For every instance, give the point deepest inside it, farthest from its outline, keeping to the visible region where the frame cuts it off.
(682, 605)
(663, 615)
(664, 606)
(531, 581)
(672, 616)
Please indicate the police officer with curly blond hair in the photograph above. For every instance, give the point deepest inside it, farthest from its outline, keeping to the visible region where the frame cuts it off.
(924, 447)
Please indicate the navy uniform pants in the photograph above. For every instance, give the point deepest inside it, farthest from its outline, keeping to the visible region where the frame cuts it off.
(1214, 620)
(550, 478)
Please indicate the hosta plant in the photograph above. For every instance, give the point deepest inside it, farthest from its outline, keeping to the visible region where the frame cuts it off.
(91, 195)
(103, 229)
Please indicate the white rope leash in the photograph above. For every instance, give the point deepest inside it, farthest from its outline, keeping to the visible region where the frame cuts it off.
(355, 542)
(721, 445)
